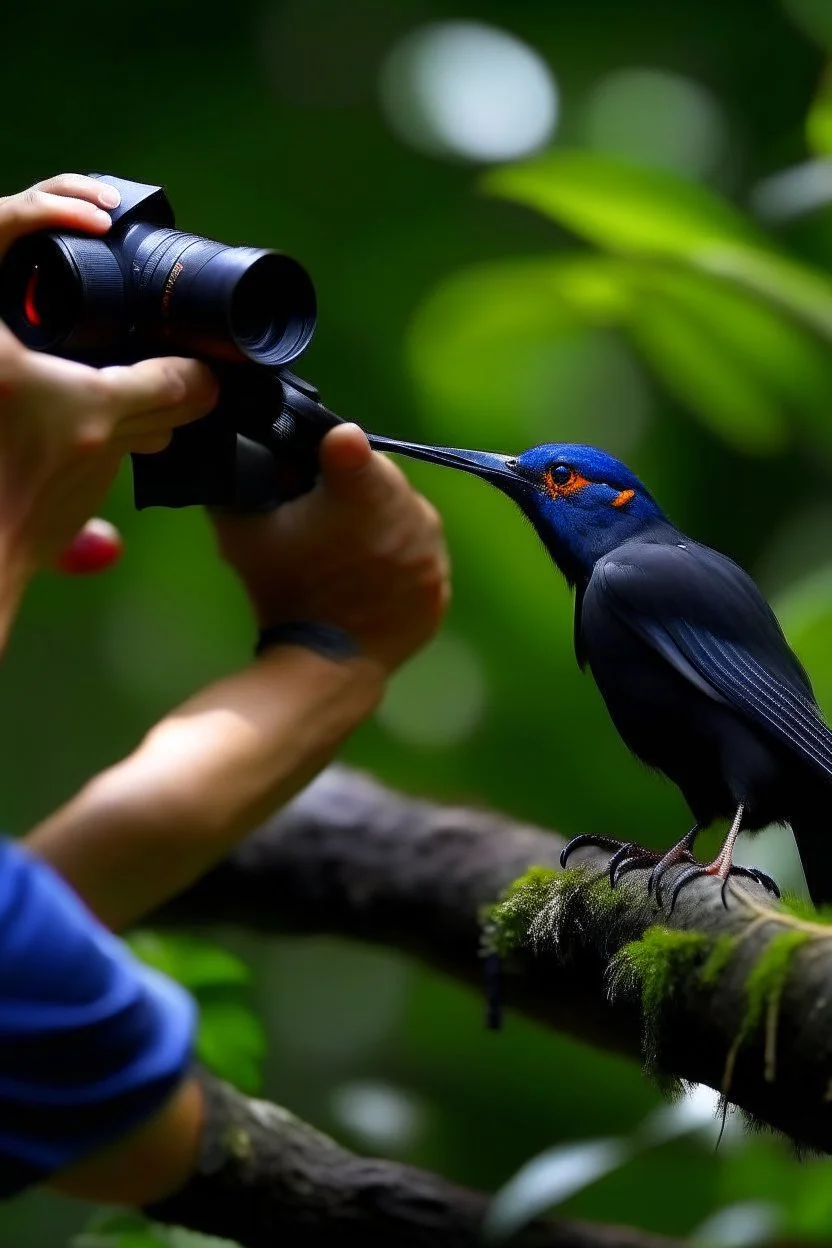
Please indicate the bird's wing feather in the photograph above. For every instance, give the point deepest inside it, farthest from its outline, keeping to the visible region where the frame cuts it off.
(707, 618)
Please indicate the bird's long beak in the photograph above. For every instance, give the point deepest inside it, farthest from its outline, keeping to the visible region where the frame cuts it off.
(500, 470)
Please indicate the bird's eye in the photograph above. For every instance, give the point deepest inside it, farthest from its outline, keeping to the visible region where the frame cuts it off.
(560, 474)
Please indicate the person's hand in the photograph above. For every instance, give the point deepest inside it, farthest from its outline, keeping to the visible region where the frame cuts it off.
(362, 551)
(64, 427)
(69, 201)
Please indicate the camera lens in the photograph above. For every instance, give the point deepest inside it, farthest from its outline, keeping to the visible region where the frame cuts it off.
(251, 315)
(272, 310)
(40, 293)
(240, 304)
(61, 292)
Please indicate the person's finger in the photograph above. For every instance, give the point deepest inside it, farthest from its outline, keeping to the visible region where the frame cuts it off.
(80, 186)
(352, 472)
(35, 210)
(149, 443)
(159, 394)
(94, 549)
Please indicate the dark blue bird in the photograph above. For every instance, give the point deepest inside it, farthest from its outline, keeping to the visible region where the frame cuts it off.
(688, 656)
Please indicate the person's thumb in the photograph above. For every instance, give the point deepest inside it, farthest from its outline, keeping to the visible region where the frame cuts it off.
(95, 548)
(351, 472)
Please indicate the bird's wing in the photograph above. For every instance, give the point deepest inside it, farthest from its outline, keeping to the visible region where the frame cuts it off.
(708, 619)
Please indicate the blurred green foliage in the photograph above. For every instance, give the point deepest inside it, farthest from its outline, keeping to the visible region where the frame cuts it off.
(595, 290)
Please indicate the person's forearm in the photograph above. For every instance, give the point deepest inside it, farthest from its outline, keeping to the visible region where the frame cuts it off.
(202, 778)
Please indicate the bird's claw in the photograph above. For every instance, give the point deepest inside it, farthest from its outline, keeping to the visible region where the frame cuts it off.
(656, 878)
(760, 877)
(626, 856)
(588, 838)
(638, 858)
(690, 873)
(697, 869)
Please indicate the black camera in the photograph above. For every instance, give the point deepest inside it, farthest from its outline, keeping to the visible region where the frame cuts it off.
(147, 289)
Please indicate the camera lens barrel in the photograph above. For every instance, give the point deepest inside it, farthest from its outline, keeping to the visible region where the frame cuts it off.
(226, 303)
(156, 289)
(64, 295)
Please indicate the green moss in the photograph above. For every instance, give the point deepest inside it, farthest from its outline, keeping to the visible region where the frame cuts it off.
(802, 908)
(554, 906)
(604, 900)
(767, 978)
(655, 966)
(720, 955)
(507, 922)
(764, 991)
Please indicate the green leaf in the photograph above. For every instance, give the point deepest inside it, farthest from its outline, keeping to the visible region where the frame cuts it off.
(109, 1228)
(804, 292)
(741, 365)
(737, 363)
(810, 1203)
(651, 213)
(819, 119)
(703, 375)
(230, 1039)
(622, 206)
(475, 347)
(178, 1237)
(232, 1042)
(196, 964)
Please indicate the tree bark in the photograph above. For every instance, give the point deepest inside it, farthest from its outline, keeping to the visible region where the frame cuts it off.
(265, 1178)
(353, 858)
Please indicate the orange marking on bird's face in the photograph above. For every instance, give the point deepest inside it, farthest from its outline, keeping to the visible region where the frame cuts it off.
(560, 489)
(623, 497)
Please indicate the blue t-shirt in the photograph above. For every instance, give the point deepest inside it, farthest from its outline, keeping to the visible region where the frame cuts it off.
(91, 1041)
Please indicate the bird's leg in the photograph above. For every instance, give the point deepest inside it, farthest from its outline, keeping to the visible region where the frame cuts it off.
(723, 866)
(724, 860)
(679, 852)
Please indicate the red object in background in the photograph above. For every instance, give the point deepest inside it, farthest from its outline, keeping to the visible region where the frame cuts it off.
(97, 547)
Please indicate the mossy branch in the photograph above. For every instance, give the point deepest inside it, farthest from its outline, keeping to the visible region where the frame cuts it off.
(736, 994)
(737, 997)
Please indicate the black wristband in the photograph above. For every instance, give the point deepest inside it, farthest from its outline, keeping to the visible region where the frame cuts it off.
(325, 639)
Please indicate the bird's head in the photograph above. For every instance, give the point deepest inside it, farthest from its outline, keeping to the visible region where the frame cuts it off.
(582, 501)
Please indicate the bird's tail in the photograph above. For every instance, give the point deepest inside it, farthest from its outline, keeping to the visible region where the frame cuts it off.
(812, 828)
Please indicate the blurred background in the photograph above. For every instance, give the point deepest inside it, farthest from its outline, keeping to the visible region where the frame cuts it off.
(599, 221)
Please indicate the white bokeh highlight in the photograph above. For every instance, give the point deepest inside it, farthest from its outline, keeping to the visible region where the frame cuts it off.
(466, 90)
(380, 1116)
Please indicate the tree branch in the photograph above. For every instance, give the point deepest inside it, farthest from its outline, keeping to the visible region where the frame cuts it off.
(748, 1011)
(267, 1178)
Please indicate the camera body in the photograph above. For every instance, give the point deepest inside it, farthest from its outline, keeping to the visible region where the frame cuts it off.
(147, 289)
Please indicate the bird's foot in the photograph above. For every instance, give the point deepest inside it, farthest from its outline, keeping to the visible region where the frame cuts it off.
(680, 852)
(724, 872)
(626, 855)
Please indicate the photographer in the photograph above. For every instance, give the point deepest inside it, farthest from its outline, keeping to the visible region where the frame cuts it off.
(345, 584)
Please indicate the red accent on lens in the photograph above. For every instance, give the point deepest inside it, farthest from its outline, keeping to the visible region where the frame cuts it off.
(30, 307)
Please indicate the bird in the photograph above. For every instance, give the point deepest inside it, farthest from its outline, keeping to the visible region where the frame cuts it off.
(688, 656)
